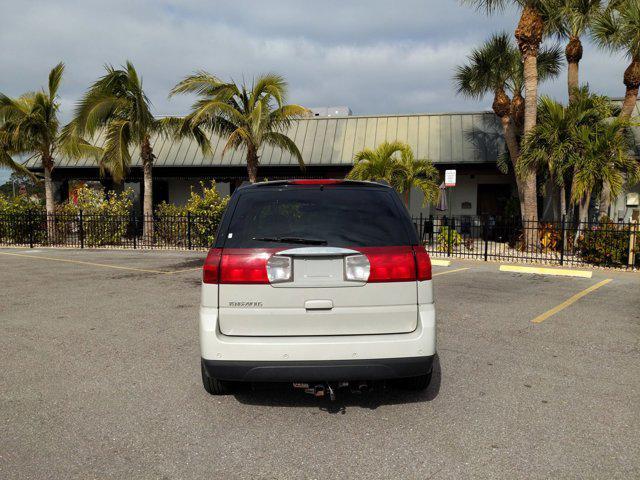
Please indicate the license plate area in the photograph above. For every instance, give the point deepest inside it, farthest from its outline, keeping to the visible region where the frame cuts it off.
(318, 272)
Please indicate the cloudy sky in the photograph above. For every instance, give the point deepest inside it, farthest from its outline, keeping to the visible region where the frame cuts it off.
(375, 56)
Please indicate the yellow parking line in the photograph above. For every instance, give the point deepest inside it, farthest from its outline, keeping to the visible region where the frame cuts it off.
(181, 271)
(546, 271)
(570, 301)
(440, 263)
(450, 271)
(103, 265)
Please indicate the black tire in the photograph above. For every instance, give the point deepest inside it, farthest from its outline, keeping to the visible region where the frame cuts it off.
(213, 386)
(415, 383)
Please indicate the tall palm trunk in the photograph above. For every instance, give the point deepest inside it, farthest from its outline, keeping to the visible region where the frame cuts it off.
(530, 118)
(632, 84)
(503, 108)
(146, 154)
(583, 214)
(511, 140)
(563, 200)
(47, 163)
(529, 36)
(252, 164)
(573, 53)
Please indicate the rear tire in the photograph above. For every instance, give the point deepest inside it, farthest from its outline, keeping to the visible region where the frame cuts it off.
(213, 386)
(416, 383)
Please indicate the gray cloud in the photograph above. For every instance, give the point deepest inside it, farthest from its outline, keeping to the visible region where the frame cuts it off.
(375, 56)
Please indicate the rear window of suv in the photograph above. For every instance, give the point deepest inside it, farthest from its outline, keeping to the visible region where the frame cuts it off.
(337, 216)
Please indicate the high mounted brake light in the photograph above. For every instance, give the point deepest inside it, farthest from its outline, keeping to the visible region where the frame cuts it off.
(316, 181)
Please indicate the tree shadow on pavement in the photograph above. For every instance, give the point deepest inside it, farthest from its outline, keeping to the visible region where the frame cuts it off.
(283, 395)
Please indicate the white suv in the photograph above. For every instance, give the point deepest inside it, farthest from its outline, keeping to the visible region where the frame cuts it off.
(316, 281)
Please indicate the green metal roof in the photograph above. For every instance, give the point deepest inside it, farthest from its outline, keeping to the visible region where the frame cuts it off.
(443, 138)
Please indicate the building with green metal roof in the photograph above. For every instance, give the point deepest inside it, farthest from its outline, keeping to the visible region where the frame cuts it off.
(470, 143)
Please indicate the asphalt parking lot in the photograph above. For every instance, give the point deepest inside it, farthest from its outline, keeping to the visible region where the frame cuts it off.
(100, 378)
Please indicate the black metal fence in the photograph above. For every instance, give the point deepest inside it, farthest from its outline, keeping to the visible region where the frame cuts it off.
(608, 244)
(188, 232)
(572, 243)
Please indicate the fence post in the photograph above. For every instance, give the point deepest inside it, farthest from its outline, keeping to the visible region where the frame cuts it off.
(135, 231)
(485, 228)
(421, 229)
(449, 238)
(633, 226)
(563, 238)
(81, 230)
(30, 220)
(189, 229)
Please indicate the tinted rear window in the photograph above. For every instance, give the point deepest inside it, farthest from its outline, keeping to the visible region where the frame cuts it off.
(341, 216)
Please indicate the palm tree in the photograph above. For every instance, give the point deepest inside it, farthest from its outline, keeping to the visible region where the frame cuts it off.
(571, 20)
(116, 107)
(395, 163)
(580, 146)
(249, 117)
(496, 68)
(29, 125)
(603, 159)
(617, 28)
(532, 27)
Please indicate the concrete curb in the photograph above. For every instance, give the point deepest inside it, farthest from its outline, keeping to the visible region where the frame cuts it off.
(547, 271)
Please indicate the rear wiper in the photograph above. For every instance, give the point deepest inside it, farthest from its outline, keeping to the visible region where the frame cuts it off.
(302, 241)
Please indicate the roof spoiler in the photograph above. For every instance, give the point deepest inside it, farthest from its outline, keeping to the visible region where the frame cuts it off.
(316, 181)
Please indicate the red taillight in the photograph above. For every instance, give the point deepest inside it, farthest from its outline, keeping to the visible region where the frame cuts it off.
(236, 266)
(211, 268)
(423, 264)
(390, 264)
(316, 181)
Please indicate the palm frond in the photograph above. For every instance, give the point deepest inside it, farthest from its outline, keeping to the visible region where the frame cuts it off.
(177, 128)
(200, 83)
(6, 161)
(55, 76)
(489, 6)
(116, 158)
(279, 140)
(239, 137)
(270, 85)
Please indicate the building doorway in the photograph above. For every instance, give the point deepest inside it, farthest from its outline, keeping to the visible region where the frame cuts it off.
(493, 199)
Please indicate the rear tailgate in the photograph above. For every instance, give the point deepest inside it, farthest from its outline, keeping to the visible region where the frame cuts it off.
(317, 299)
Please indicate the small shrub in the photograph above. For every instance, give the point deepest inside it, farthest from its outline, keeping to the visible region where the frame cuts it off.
(205, 210)
(171, 224)
(105, 217)
(443, 238)
(606, 244)
(22, 219)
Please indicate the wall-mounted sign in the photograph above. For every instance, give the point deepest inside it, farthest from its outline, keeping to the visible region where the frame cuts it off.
(449, 178)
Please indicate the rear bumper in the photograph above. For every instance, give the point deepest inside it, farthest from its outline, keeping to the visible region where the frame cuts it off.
(304, 371)
(217, 347)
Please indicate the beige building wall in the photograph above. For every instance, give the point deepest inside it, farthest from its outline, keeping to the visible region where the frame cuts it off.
(463, 198)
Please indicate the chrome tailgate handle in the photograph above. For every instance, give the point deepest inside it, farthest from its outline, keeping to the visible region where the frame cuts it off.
(318, 252)
(318, 304)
